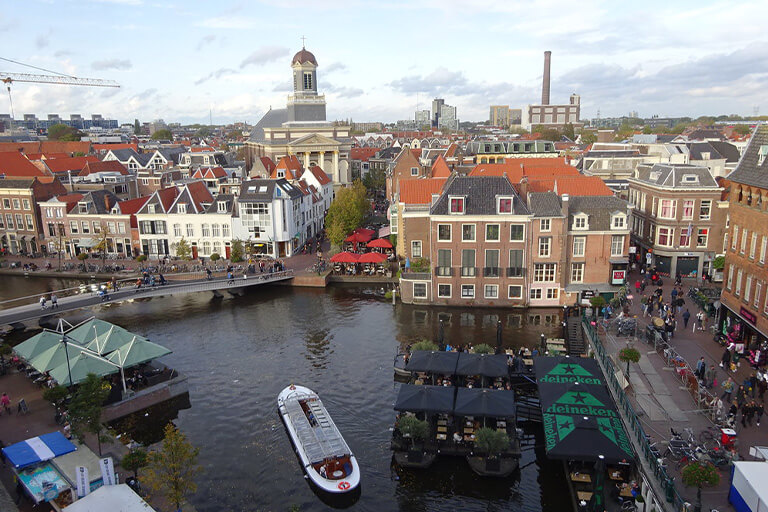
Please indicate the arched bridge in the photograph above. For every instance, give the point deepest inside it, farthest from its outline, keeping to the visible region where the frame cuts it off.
(33, 310)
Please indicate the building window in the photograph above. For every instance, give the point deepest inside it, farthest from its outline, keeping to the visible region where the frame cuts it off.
(544, 272)
(668, 209)
(535, 293)
(516, 268)
(444, 291)
(468, 263)
(553, 293)
(457, 204)
(491, 263)
(516, 233)
(737, 291)
(515, 291)
(491, 291)
(544, 246)
(190, 230)
(545, 225)
(308, 81)
(30, 224)
(580, 221)
(443, 232)
(73, 226)
(7, 204)
(414, 171)
(688, 209)
(577, 272)
(665, 236)
(701, 238)
(729, 283)
(685, 237)
(763, 248)
(743, 248)
(177, 230)
(86, 226)
(416, 249)
(16, 204)
(617, 245)
(705, 209)
(618, 222)
(182, 207)
(758, 289)
(505, 205)
(735, 238)
(419, 290)
(492, 233)
(579, 243)
(748, 289)
(25, 202)
(467, 291)
(206, 231)
(467, 232)
(752, 246)
(444, 262)
(225, 230)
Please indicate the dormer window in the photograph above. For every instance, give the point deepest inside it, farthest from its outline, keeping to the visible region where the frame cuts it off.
(280, 173)
(690, 178)
(222, 206)
(151, 208)
(618, 221)
(654, 175)
(504, 205)
(82, 207)
(414, 171)
(580, 221)
(182, 207)
(457, 204)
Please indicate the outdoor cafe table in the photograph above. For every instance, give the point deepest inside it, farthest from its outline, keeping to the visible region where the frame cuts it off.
(584, 495)
(581, 477)
(615, 474)
(626, 491)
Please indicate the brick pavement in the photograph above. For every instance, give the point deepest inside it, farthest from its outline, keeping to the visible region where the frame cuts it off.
(661, 399)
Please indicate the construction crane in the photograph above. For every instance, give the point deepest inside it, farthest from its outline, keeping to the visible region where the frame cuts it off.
(57, 79)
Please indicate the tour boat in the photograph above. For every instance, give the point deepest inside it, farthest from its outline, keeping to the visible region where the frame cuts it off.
(325, 456)
(400, 362)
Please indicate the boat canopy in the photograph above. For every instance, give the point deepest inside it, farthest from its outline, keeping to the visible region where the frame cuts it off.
(486, 365)
(433, 362)
(431, 399)
(322, 441)
(493, 403)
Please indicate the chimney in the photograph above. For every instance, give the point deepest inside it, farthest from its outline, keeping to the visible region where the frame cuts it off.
(545, 79)
(564, 200)
(523, 188)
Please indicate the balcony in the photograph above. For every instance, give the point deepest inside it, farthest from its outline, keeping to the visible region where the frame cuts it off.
(468, 271)
(515, 271)
(491, 271)
(443, 271)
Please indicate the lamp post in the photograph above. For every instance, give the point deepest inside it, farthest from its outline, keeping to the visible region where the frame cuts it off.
(61, 247)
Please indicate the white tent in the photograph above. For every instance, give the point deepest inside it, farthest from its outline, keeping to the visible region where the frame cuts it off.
(748, 490)
(114, 498)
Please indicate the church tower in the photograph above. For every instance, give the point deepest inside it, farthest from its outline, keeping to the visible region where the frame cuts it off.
(305, 104)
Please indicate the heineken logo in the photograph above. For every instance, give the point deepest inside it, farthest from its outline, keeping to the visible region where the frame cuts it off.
(566, 373)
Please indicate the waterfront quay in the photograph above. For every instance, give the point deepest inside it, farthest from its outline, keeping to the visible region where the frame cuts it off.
(661, 399)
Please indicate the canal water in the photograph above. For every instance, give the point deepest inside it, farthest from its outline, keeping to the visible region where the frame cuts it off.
(239, 352)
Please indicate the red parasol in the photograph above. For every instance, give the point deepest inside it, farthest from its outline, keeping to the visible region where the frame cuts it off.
(345, 257)
(372, 257)
(357, 238)
(380, 242)
(364, 231)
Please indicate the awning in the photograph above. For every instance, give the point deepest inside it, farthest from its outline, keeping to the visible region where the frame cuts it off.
(380, 242)
(87, 243)
(487, 365)
(80, 367)
(489, 403)
(111, 497)
(385, 231)
(37, 344)
(372, 257)
(432, 399)
(345, 257)
(433, 362)
(38, 449)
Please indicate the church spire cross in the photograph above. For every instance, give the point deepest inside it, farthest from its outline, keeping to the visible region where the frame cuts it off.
(303, 40)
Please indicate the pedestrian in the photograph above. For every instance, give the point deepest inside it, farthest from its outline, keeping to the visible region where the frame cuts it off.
(686, 317)
(638, 285)
(727, 390)
(5, 401)
(208, 273)
(725, 361)
(741, 396)
(54, 301)
(114, 284)
(230, 278)
(753, 384)
(42, 302)
(759, 410)
(700, 368)
(709, 377)
(762, 385)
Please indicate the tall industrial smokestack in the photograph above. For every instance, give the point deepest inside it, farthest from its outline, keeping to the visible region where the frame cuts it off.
(545, 80)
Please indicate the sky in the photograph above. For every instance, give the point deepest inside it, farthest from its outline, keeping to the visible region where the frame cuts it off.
(378, 61)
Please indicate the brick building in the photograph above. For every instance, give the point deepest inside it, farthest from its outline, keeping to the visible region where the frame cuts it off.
(745, 294)
(21, 227)
(678, 217)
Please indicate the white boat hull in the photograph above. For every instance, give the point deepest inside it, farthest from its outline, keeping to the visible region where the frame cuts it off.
(331, 485)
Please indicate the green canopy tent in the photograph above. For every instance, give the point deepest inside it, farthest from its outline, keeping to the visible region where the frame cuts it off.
(55, 356)
(81, 366)
(100, 336)
(37, 344)
(137, 351)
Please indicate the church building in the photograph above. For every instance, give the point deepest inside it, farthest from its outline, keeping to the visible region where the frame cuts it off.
(301, 129)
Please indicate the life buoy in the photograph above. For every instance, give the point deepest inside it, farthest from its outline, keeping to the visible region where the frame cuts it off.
(344, 485)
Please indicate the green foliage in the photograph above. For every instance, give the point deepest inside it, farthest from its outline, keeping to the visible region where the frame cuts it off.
(743, 129)
(546, 133)
(234, 134)
(55, 395)
(700, 473)
(205, 131)
(347, 212)
(141, 258)
(375, 180)
(629, 354)
(483, 348)
(424, 345)
(491, 441)
(718, 263)
(413, 427)
(647, 129)
(388, 295)
(5, 349)
(164, 134)
(85, 409)
(78, 153)
(420, 265)
(588, 137)
(393, 241)
(597, 301)
(82, 256)
(172, 469)
(63, 132)
(136, 127)
(569, 132)
(183, 249)
(236, 254)
(134, 461)
(679, 128)
(215, 256)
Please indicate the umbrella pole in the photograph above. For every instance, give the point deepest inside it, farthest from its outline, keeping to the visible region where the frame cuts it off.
(122, 377)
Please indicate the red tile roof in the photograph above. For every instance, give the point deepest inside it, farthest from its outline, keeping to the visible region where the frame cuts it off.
(362, 154)
(105, 166)
(571, 185)
(108, 147)
(516, 168)
(131, 206)
(201, 149)
(292, 167)
(62, 165)
(14, 165)
(167, 196)
(419, 191)
(451, 151)
(210, 173)
(70, 200)
(47, 146)
(45, 156)
(268, 164)
(199, 193)
(440, 169)
(320, 175)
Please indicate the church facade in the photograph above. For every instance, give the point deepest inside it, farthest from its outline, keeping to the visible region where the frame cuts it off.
(301, 129)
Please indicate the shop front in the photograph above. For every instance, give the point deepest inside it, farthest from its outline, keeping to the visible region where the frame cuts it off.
(739, 328)
(687, 266)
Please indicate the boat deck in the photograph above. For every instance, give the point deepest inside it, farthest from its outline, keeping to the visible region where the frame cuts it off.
(320, 441)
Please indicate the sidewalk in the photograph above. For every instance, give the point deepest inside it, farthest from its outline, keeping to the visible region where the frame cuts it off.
(662, 401)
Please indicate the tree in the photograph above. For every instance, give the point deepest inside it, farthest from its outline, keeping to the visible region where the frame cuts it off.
(234, 134)
(134, 461)
(102, 245)
(55, 395)
(414, 428)
(483, 348)
(647, 129)
(183, 249)
(346, 212)
(85, 409)
(215, 256)
(424, 345)
(588, 137)
(82, 256)
(629, 355)
(136, 127)
(743, 129)
(546, 133)
(63, 132)
(375, 180)
(491, 441)
(569, 132)
(171, 470)
(164, 134)
(236, 254)
(698, 474)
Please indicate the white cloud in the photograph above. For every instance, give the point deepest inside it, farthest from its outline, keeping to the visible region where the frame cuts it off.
(264, 55)
(121, 64)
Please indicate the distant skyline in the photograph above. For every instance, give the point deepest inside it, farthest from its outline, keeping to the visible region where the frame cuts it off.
(177, 61)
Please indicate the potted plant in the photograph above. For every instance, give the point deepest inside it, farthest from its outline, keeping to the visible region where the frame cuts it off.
(698, 474)
(483, 348)
(492, 443)
(424, 345)
(414, 429)
(629, 355)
